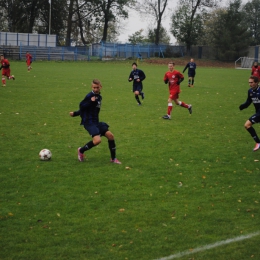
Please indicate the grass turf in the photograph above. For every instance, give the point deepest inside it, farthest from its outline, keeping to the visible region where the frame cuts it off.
(183, 183)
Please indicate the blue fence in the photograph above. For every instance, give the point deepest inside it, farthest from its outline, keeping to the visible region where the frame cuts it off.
(99, 51)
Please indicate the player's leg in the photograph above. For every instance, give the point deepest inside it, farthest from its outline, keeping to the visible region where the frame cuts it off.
(96, 140)
(111, 144)
(3, 78)
(183, 104)
(192, 81)
(189, 84)
(249, 127)
(8, 72)
(141, 93)
(136, 92)
(27, 64)
(169, 108)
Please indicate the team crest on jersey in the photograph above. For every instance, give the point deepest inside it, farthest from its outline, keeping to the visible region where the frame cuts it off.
(98, 104)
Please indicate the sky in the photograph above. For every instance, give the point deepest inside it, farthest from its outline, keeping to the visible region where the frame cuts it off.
(136, 22)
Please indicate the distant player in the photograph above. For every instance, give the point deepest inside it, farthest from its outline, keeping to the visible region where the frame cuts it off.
(253, 96)
(255, 70)
(137, 76)
(89, 109)
(174, 78)
(28, 60)
(191, 72)
(6, 71)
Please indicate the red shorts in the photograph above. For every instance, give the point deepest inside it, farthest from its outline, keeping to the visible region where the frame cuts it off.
(28, 62)
(174, 93)
(6, 72)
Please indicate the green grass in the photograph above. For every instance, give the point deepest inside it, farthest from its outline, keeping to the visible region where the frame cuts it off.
(193, 180)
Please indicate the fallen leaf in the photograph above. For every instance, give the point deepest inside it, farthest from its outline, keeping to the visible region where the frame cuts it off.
(121, 210)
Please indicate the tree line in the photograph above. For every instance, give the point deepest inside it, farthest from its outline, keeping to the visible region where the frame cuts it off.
(230, 29)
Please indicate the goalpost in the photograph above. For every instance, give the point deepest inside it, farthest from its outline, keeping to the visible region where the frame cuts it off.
(244, 63)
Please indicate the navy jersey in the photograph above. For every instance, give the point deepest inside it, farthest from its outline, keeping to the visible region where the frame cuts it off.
(89, 110)
(137, 74)
(192, 68)
(253, 97)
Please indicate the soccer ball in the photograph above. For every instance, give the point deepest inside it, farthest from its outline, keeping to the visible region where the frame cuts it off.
(45, 155)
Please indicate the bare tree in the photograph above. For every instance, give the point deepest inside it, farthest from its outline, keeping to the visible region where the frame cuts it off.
(156, 9)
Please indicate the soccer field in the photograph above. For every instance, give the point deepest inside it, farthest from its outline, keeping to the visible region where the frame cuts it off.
(187, 188)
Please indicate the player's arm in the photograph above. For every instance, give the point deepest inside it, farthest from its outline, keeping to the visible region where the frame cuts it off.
(247, 103)
(87, 101)
(181, 78)
(75, 113)
(130, 78)
(142, 76)
(185, 68)
(165, 79)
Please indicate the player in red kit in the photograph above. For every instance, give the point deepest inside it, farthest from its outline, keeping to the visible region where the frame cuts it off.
(173, 78)
(5, 66)
(28, 61)
(256, 70)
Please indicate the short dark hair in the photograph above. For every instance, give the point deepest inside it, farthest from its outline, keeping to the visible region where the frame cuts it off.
(134, 64)
(97, 82)
(254, 78)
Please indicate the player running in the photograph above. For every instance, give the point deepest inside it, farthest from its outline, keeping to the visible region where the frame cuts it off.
(6, 71)
(191, 72)
(137, 76)
(29, 59)
(89, 109)
(174, 78)
(253, 97)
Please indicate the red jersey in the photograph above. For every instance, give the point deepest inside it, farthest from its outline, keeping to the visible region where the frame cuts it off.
(173, 77)
(5, 63)
(28, 56)
(256, 71)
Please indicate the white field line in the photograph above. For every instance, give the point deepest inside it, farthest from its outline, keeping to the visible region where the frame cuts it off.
(206, 247)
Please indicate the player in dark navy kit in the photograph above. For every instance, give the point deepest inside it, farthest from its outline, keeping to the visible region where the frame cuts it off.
(89, 109)
(191, 72)
(137, 76)
(253, 97)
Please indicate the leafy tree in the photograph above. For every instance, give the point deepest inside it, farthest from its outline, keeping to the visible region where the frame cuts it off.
(252, 19)
(230, 34)
(137, 37)
(163, 36)
(109, 11)
(187, 20)
(20, 15)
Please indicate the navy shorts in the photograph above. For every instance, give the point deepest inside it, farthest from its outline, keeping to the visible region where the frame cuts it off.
(255, 118)
(137, 88)
(191, 74)
(99, 129)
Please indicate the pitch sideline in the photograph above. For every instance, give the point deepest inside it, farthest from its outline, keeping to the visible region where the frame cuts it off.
(206, 247)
